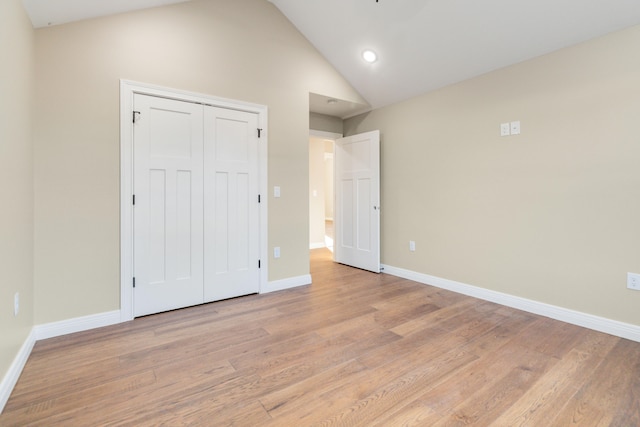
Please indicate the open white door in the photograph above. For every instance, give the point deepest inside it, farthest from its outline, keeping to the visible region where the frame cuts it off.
(357, 208)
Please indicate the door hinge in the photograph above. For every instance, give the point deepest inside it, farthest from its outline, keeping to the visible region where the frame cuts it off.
(259, 132)
(259, 263)
(134, 282)
(134, 115)
(134, 199)
(259, 199)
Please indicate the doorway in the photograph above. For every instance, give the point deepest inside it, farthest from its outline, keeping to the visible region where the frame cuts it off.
(321, 189)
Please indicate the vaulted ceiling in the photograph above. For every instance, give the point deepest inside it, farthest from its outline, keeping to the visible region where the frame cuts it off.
(422, 45)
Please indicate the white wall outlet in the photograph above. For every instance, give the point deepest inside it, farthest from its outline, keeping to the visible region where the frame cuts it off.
(505, 129)
(412, 246)
(633, 281)
(276, 252)
(276, 191)
(515, 128)
(16, 303)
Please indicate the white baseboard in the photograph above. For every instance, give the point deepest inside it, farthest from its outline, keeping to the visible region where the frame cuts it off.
(601, 324)
(292, 282)
(78, 324)
(318, 245)
(11, 377)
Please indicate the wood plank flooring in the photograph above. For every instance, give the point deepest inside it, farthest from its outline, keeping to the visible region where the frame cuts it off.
(353, 349)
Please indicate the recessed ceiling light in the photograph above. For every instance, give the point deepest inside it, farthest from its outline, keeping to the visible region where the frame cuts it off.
(369, 56)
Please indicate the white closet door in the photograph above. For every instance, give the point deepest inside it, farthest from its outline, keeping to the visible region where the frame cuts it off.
(168, 211)
(231, 245)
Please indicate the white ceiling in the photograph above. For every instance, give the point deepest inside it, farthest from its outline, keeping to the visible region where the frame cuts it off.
(422, 45)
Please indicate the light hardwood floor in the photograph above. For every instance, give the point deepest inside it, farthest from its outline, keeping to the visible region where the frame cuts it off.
(353, 349)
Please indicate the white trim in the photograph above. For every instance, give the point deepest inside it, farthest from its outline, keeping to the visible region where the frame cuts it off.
(263, 154)
(127, 91)
(601, 324)
(78, 324)
(324, 135)
(291, 282)
(126, 208)
(11, 377)
(317, 245)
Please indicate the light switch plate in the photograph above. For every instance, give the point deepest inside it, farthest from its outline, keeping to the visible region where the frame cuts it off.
(515, 128)
(505, 129)
(276, 191)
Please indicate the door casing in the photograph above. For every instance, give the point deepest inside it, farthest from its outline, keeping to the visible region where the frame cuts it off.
(127, 91)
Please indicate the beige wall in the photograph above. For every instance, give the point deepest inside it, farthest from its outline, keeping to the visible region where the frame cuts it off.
(551, 215)
(325, 123)
(241, 49)
(16, 178)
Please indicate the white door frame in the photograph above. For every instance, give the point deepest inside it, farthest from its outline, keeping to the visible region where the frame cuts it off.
(127, 91)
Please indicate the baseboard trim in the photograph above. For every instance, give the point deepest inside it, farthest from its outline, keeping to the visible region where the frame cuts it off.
(318, 245)
(601, 324)
(292, 282)
(11, 377)
(78, 324)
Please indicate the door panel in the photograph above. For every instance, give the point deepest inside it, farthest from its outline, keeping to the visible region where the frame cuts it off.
(157, 236)
(220, 243)
(345, 215)
(364, 220)
(184, 203)
(231, 204)
(357, 218)
(168, 214)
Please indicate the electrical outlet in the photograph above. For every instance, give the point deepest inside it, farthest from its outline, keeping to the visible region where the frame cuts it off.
(412, 246)
(505, 129)
(633, 281)
(276, 252)
(16, 303)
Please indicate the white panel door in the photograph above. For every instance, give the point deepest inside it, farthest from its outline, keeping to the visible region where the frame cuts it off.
(357, 209)
(231, 245)
(168, 211)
